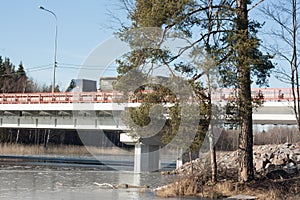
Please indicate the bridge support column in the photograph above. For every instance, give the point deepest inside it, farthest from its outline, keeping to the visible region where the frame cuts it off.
(146, 158)
(179, 160)
(179, 163)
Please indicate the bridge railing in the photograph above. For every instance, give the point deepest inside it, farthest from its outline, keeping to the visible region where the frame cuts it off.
(267, 94)
(64, 97)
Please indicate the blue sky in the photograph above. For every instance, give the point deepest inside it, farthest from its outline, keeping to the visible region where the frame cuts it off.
(27, 35)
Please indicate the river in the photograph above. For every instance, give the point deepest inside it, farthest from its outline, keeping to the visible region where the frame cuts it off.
(42, 182)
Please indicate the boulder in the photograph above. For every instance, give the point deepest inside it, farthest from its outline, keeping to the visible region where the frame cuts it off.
(296, 151)
(261, 163)
(278, 160)
(270, 166)
(296, 158)
(291, 168)
(277, 174)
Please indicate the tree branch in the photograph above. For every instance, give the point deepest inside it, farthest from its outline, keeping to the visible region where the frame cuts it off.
(255, 5)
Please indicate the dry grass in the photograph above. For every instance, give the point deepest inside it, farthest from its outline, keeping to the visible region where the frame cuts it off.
(19, 149)
(274, 189)
(263, 189)
(183, 187)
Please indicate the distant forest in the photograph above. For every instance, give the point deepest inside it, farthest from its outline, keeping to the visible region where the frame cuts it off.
(45, 137)
(15, 80)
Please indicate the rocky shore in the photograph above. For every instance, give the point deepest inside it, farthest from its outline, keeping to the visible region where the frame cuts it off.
(275, 165)
(267, 158)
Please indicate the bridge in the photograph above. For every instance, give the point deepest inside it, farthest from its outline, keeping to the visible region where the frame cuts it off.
(101, 111)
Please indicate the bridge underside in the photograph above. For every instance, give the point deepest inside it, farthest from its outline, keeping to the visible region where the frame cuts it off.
(107, 116)
(280, 113)
(105, 123)
(275, 122)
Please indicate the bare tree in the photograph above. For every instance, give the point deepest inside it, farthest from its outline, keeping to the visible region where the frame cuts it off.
(284, 15)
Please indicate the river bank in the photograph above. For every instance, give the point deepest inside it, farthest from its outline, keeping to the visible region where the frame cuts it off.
(276, 175)
(21, 149)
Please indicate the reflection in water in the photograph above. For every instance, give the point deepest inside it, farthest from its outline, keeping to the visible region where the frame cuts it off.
(21, 182)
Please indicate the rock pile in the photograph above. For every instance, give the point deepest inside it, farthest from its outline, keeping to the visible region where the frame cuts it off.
(282, 158)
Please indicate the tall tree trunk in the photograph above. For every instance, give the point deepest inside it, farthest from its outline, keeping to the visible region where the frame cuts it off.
(30, 137)
(62, 137)
(246, 172)
(213, 159)
(48, 137)
(45, 138)
(211, 139)
(10, 136)
(35, 137)
(18, 134)
(294, 66)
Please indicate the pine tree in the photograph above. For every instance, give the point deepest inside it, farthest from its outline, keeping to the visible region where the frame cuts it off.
(244, 83)
(71, 86)
(229, 37)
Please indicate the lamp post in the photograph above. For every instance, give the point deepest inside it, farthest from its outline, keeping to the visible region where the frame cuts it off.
(55, 46)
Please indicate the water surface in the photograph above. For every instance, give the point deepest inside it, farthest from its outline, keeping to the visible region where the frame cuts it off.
(72, 183)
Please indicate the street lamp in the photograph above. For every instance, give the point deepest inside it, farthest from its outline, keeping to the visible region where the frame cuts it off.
(55, 45)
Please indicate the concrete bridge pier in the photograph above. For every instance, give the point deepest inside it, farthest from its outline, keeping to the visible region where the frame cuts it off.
(146, 158)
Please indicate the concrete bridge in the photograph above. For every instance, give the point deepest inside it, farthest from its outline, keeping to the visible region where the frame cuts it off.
(101, 111)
